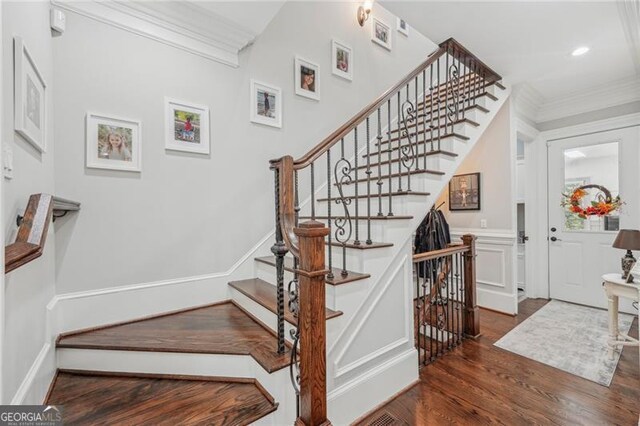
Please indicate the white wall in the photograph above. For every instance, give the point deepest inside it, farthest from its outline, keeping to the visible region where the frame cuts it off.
(27, 290)
(494, 157)
(186, 215)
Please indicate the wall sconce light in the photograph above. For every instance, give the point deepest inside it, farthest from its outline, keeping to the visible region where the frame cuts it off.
(363, 12)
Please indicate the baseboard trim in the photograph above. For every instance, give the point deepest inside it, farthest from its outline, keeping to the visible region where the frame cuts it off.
(386, 401)
(26, 390)
(495, 301)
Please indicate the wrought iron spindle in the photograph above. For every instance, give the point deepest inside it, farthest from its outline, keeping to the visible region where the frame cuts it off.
(279, 249)
(379, 179)
(439, 105)
(329, 242)
(313, 191)
(431, 115)
(463, 78)
(415, 102)
(293, 289)
(355, 180)
(424, 117)
(446, 93)
(342, 177)
(390, 158)
(399, 137)
(368, 173)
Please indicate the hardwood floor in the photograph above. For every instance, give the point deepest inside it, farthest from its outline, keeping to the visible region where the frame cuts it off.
(218, 329)
(478, 383)
(111, 398)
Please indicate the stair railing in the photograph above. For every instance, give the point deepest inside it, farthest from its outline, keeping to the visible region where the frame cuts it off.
(446, 311)
(395, 135)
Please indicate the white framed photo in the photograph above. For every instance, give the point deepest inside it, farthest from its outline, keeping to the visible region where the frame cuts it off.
(403, 27)
(307, 78)
(113, 143)
(381, 33)
(266, 104)
(29, 103)
(341, 60)
(186, 126)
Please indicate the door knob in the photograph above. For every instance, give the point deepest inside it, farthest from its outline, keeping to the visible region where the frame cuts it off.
(555, 239)
(553, 229)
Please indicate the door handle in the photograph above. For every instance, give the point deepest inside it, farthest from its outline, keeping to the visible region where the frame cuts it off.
(555, 239)
(553, 229)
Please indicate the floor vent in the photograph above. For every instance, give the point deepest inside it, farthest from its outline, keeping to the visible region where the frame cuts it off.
(385, 419)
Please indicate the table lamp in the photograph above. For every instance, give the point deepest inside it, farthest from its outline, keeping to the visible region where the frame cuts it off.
(627, 239)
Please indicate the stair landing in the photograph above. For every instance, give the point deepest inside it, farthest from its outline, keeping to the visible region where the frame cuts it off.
(222, 328)
(91, 398)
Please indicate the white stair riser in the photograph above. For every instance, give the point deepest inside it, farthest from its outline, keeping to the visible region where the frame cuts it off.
(212, 365)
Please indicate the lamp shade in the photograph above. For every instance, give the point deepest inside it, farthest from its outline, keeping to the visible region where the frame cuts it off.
(627, 239)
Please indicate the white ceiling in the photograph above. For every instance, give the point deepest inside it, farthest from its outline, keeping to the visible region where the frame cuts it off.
(532, 41)
(251, 15)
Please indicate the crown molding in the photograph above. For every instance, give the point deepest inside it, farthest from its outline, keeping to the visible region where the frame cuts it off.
(527, 101)
(183, 25)
(629, 11)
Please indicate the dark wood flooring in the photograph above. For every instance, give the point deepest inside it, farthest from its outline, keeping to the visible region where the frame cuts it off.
(117, 399)
(478, 383)
(218, 329)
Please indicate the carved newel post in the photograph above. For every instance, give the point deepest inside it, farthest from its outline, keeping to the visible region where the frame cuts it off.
(472, 312)
(312, 324)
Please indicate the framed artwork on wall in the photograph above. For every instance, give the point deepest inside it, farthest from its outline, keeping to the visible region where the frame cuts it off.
(29, 104)
(113, 143)
(186, 126)
(464, 192)
(381, 33)
(266, 104)
(403, 27)
(341, 60)
(307, 78)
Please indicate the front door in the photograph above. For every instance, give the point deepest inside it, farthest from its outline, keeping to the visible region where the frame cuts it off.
(580, 249)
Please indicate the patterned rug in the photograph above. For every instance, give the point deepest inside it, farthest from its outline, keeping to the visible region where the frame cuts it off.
(570, 337)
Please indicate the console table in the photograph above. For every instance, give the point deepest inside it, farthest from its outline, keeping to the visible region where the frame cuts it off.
(615, 287)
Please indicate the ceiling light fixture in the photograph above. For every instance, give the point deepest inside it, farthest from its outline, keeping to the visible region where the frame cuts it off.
(580, 51)
(364, 11)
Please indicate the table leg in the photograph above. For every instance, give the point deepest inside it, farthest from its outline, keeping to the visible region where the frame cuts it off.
(613, 323)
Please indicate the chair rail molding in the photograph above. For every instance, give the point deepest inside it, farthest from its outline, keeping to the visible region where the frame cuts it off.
(186, 26)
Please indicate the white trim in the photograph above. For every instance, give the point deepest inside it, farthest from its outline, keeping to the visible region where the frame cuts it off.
(2, 236)
(496, 236)
(23, 393)
(630, 16)
(497, 301)
(217, 38)
(371, 356)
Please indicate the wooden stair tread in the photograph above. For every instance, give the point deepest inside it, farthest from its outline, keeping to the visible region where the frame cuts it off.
(434, 138)
(223, 328)
(480, 108)
(417, 145)
(91, 398)
(264, 293)
(393, 175)
(375, 196)
(373, 165)
(397, 217)
(337, 279)
(421, 125)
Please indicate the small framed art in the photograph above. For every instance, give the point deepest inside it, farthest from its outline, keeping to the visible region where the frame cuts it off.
(186, 126)
(403, 27)
(381, 33)
(342, 60)
(29, 104)
(307, 78)
(266, 104)
(464, 192)
(113, 143)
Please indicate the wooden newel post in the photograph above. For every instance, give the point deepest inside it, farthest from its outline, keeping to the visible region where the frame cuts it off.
(312, 324)
(472, 312)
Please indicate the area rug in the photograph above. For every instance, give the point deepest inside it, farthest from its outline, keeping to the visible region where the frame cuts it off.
(572, 338)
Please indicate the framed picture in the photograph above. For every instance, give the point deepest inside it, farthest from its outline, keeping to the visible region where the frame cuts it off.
(186, 127)
(403, 27)
(113, 143)
(307, 78)
(464, 192)
(29, 104)
(342, 60)
(266, 104)
(381, 33)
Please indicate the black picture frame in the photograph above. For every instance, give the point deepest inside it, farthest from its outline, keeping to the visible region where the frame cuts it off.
(458, 200)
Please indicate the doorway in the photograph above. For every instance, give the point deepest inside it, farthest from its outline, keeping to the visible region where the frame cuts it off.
(579, 248)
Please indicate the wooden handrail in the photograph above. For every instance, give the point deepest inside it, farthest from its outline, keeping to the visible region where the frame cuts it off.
(32, 232)
(434, 254)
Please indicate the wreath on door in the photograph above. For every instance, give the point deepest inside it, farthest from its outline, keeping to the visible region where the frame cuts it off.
(603, 204)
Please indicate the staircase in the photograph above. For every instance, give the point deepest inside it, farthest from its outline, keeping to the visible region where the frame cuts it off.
(325, 327)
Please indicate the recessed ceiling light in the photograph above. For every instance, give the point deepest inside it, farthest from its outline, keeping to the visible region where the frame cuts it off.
(574, 154)
(580, 51)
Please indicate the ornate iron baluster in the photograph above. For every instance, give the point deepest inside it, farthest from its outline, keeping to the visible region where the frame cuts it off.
(313, 192)
(439, 105)
(279, 249)
(424, 117)
(408, 155)
(431, 112)
(368, 173)
(390, 158)
(293, 289)
(379, 180)
(417, 137)
(453, 81)
(329, 242)
(399, 145)
(342, 175)
(355, 180)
